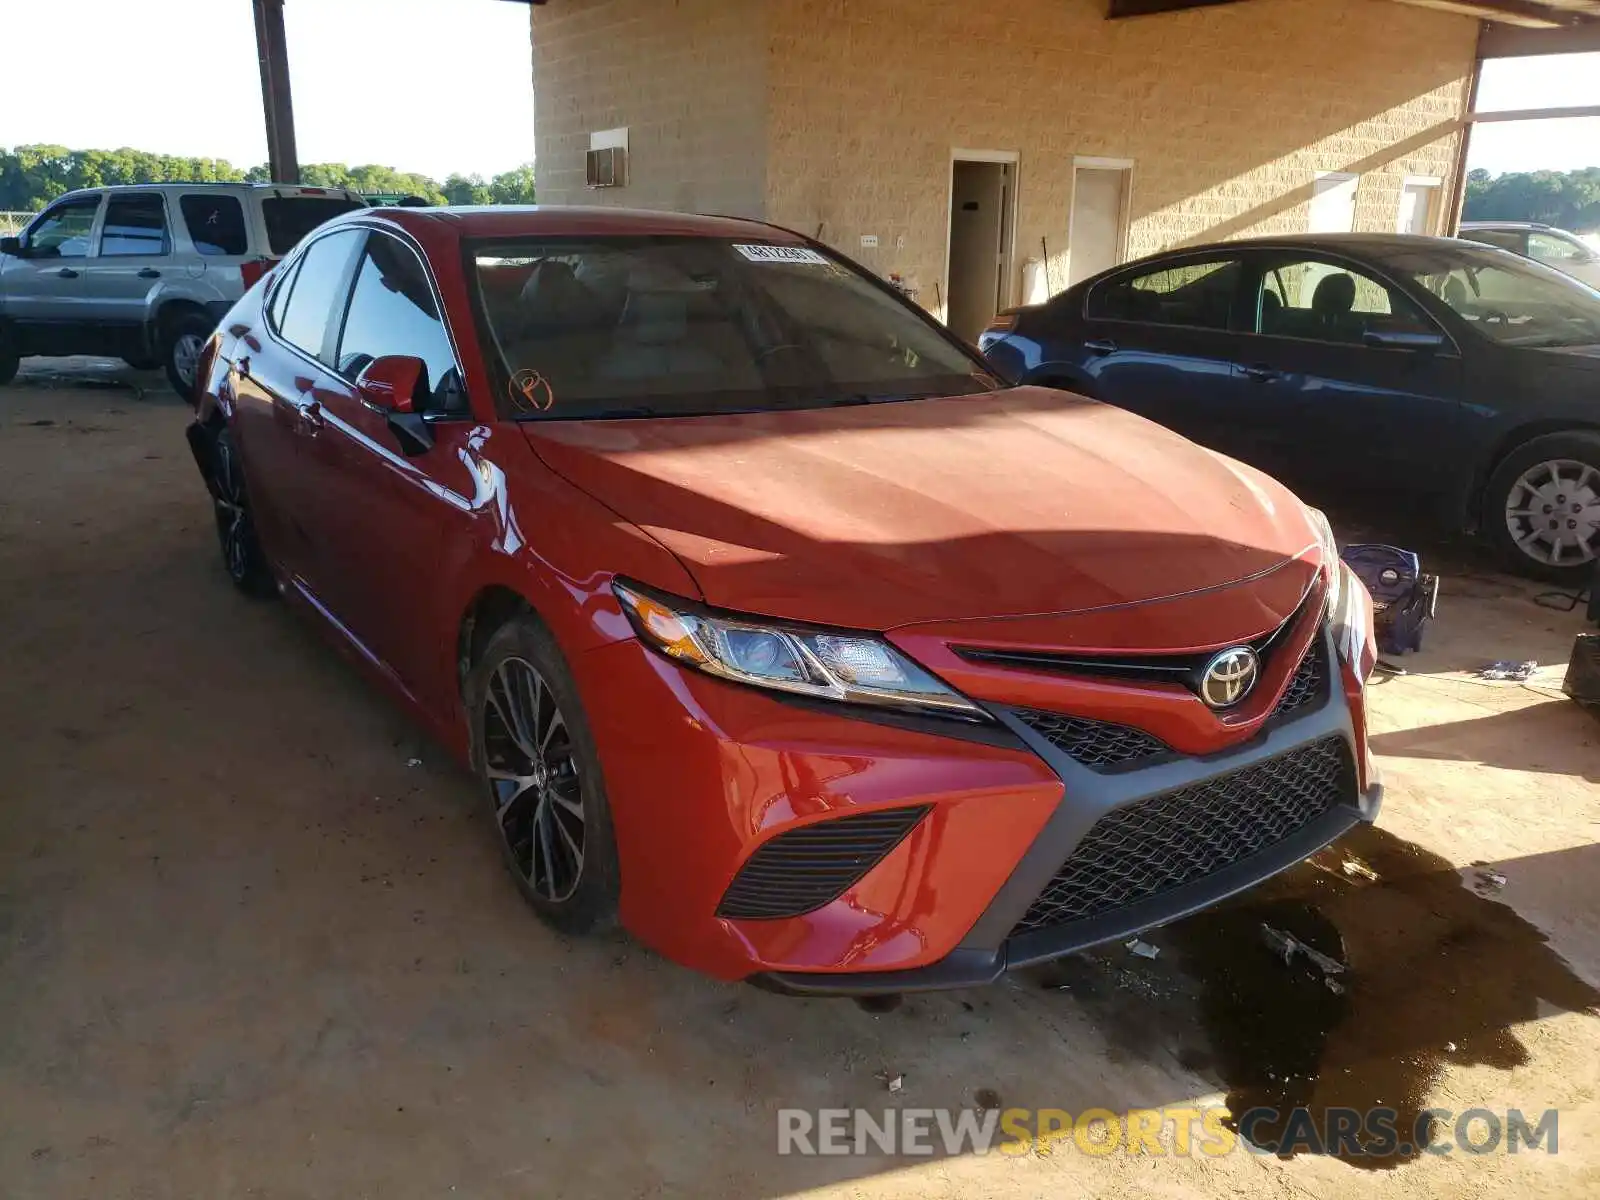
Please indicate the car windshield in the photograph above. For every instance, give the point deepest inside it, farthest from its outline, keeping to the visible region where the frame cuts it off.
(684, 326)
(1511, 300)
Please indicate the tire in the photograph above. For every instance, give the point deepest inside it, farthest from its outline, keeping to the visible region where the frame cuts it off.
(530, 802)
(181, 341)
(1551, 479)
(143, 364)
(9, 363)
(242, 558)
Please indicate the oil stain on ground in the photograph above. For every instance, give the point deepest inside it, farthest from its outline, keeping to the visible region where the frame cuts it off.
(1434, 974)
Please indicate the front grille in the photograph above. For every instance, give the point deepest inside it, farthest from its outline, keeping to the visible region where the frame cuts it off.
(800, 871)
(1096, 744)
(1308, 684)
(1182, 836)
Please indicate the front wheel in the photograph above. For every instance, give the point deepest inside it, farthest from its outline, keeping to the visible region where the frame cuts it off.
(236, 530)
(1541, 508)
(180, 350)
(540, 778)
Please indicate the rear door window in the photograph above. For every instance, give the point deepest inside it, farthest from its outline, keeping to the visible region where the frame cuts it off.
(215, 224)
(1332, 302)
(1196, 295)
(135, 224)
(317, 293)
(290, 218)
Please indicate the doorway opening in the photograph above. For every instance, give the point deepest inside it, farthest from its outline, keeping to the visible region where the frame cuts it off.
(983, 196)
(1097, 231)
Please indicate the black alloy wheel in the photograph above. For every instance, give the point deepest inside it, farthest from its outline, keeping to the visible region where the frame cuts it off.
(536, 780)
(533, 752)
(236, 532)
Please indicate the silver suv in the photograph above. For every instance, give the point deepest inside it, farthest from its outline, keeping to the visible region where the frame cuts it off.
(145, 272)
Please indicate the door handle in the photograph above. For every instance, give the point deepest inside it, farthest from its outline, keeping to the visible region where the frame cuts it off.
(311, 415)
(67, 273)
(1101, 346)
(149, 273)
(1259, 373)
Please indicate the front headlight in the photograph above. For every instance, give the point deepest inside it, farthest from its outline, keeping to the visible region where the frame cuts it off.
(1332, 566)
(1349, 607)
(854, 668)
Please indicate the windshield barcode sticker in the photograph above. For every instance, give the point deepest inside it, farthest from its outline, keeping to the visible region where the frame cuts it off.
(783, 254)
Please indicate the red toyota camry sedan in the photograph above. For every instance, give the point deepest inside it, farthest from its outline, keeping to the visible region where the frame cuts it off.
(770, 621)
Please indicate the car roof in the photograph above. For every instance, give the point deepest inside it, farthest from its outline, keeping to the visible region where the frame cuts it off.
(220, 185)
(1505, 225)
(531, 220)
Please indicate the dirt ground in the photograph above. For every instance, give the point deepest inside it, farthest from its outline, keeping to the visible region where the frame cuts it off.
(248, 950)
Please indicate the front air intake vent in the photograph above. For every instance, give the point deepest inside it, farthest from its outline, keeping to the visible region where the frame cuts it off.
(804, 869)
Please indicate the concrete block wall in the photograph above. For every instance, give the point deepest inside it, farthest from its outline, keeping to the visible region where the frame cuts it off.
(1227, 112)
(687, 78)
(838, 117)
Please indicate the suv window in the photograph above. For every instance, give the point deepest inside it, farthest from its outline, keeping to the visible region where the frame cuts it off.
(1556, 250)
(1330, 302)
(215, 224)
(63, 231)
(1196, 294)
(1513, 240)
(135, 224)
(392, 311)
(317, 291)
(290, 218)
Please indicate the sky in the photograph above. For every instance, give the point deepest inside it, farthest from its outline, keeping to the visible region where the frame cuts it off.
(1545, 82)
(440, 86)
(435, 86)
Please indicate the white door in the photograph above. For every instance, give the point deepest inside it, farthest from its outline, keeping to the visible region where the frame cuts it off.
(1333, 203)
(1416, 208)
(1099, 211)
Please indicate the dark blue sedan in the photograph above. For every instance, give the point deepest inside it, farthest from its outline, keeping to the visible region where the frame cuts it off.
(1460, 376)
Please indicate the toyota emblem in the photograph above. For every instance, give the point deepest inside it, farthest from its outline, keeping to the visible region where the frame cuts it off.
(1229, 676)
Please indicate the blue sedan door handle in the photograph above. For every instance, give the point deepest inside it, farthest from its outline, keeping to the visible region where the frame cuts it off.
(1259, 373)
(1101, 346)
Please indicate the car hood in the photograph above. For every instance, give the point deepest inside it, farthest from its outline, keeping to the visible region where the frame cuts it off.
(1027, 501)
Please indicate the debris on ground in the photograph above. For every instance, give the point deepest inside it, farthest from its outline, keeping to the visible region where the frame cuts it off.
(1357, 869)
(1491, 880)
(1143, 949)
(893, 1082)
(1286, 946)
(413, 762)
(1520, 672)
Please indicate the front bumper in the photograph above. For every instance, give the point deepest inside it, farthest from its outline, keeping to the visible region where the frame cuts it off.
(701, 773)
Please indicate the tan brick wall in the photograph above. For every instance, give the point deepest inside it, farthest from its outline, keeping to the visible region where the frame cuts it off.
(687, 79)
(1228, 113)
(841, 115)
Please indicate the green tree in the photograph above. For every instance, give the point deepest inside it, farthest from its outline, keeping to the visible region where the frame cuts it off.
(514, 186)
(33, 175)
(467, 189)
(1570, 200)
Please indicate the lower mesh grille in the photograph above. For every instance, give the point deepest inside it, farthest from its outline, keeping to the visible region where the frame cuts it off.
(1096, 744)
(1182, 836)
(802, 870)
(1308, 683)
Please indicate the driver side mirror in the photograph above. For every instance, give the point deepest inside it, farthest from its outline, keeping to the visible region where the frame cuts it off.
(11, 245)
(390, 382)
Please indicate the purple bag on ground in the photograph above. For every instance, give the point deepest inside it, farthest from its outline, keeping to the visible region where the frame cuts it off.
(1403, 598)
